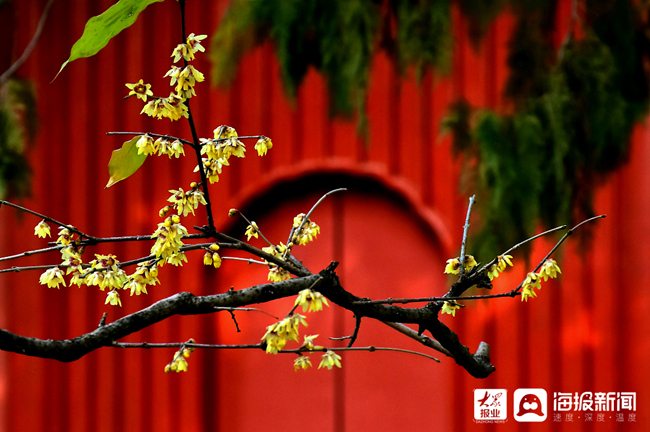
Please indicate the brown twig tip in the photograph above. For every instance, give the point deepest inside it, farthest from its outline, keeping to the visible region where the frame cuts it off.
(102, 321)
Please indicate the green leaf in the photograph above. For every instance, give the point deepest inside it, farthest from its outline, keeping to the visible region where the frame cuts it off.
(100, 29)
(124, 162)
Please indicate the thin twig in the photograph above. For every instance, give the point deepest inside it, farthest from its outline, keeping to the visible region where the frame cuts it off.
(248, 260)
(462, 245)
(168, 137)
(488, 265)
(30, 47)
(195, 137)
(146, 345)
(357, 325)
(557, 245)
(304, 220)
(30, 253)
(257, 230)
(424, 340)
(244, 309)
(48, 219)
(27, 268)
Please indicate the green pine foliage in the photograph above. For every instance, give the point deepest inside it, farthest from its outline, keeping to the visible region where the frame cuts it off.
(571, 114)
(18, 126)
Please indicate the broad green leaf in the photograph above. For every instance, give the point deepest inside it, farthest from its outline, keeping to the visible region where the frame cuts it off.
(124, 162)
(101, 28)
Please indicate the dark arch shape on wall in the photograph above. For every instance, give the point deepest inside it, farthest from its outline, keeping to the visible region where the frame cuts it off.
(306, 179)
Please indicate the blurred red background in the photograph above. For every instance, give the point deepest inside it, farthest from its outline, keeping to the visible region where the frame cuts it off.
(392, 231)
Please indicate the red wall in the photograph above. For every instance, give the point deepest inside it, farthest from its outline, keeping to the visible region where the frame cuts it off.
(392, 231)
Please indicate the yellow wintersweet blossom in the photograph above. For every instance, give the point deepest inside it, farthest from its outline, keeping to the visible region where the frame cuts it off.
(146, 145)
(207, 259)
(263, 145)
(174, 108)
(311, 300)
(502, 262)
(179, 363)
(278, 274)
(176, 149)
(140, 90)
(42, 229)
(194, 43)
(309, 342)
(251, 231)
(307, 233)
(276, 251)
(212, 168)
(78, 279)
(187, 50)
(177, 259)
(187, 79)
(113, 298)
(549, 269)
(330, 359)
(216, 260)
(52, 278)
(453, 266)
(302, 362)
(65, 236)
(532, 281)
(470, 262)
(224, 131)
(274, 343)
(450, 308)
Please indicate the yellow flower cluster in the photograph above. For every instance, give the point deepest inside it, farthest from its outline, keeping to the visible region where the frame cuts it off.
(279, 333)
(186, 202)
(453, 264)
(168, 237)
(188, 49)
(211, 257)
(171, 107)
(307, 233)
(184, 79)
(179, 363)
(145, 274)
(311, 300)
(277, 274)
(105, 273)
(502, 262)
(549, 269)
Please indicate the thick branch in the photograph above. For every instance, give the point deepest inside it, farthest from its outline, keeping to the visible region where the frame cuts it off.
(185, 303)
(179, 304)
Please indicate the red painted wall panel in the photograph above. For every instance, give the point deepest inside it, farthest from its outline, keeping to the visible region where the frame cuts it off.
(587, 332)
